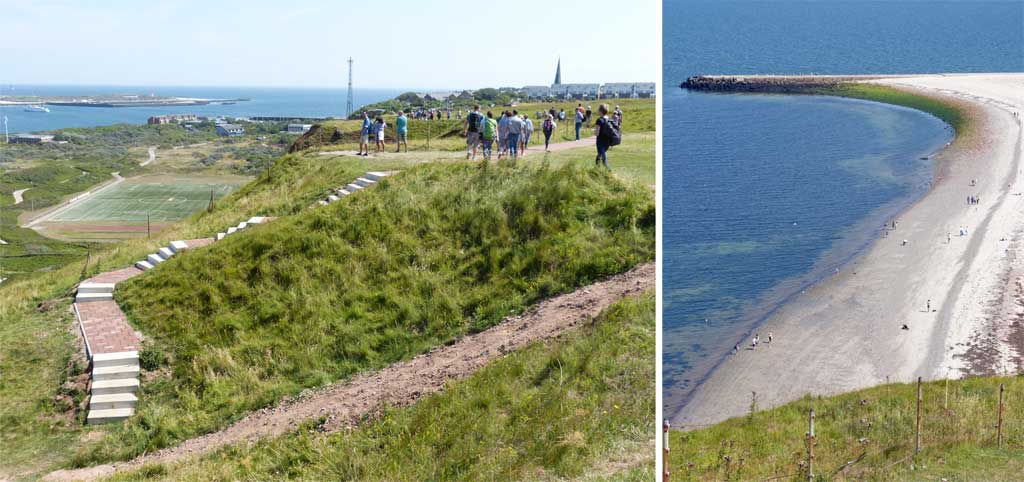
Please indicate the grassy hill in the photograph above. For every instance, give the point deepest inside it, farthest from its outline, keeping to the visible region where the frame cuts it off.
(867, 435)
(577, 408)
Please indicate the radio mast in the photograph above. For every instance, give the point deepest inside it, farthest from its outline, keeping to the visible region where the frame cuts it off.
(348, 105)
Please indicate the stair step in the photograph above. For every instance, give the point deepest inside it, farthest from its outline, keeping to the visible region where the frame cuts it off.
(106, 387)
(362, 181)
(113, 400)
(120, 358)
(166, 253)
(154, 259)
(333, 198)
(243, 225)
(144, 265)
(110, 415)
(342, 192)
(221, 236)
(87, 297)
(116, 372)
(375, 176)
(353, 187)
(232, 230)
(256, 220)
(177, 246)
(96, 288)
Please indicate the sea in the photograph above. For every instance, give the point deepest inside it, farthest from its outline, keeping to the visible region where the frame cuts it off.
(264, 101)
(765, 195)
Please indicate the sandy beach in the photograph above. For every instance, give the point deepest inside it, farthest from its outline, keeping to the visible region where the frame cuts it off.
(846, 332)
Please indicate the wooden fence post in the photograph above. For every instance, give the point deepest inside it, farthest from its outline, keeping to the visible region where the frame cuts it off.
(810, 446)
(664, 461)
(917, 438)
(999, 423)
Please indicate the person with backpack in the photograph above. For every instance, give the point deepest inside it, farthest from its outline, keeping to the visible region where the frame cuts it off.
(579, 123)
(402, 131)
(527, 130)
(608, 134)
(488, 130)
(471, 129)
(364, 136)
(502, 133)
(549, 128)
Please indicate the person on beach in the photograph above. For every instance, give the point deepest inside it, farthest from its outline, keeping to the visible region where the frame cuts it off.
(378, 128)
(736, 349)
(503, 133)
(947, 238)
(527, 131)
(579, 123)
(769, 338)
(928, 306)
(515, 130)
(548, 127)
(607, 133)
(471, 129)
(488, 130)
(753, 343)
(401, 132)
(364, 136)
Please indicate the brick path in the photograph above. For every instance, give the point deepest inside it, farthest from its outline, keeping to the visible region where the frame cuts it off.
(106, 328)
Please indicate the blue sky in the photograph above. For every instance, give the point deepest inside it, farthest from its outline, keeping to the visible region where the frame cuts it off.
(395, 44)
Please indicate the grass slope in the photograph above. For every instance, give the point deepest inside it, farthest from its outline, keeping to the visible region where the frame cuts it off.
(580, 407)
(874, 427)
(422, 258)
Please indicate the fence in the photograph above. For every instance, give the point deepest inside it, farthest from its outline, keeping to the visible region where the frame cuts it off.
(744, 449)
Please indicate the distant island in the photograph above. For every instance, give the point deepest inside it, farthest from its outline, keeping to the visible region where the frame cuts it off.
(115, 100)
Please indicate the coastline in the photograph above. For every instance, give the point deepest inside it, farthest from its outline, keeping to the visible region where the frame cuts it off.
(843, 332)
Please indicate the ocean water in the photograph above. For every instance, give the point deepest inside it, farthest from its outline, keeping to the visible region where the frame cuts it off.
(766, 194)
(298, 102)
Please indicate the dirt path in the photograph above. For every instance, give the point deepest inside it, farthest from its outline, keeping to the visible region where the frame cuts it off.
(152, 157)
(18, 198)
(345, 404)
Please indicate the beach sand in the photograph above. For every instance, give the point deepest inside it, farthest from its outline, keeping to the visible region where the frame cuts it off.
(845, 333)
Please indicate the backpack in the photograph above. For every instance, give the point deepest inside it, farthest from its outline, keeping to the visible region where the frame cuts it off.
(473, 121)
(547, 125)
(489, 127)
(611, 132)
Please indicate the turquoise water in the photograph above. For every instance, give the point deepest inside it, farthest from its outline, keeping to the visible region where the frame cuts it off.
(764, 195)
(264, 101)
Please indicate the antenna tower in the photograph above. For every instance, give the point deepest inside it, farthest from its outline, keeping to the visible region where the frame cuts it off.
(348, 104)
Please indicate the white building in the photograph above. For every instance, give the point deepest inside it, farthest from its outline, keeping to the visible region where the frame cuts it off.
(230, 130)
(299, 128)
(581, 91)
(537, 91)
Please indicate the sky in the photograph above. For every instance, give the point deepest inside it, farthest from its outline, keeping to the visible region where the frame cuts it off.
(297, 43)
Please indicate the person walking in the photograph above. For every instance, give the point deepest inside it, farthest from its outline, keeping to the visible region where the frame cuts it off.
(527, 131)
(402, 132)
(503, 133)
(471, 129)
(587, 116)
(579, 123)
(607, 132)
(561, 114)
(488, 130)
(364, 135)
(378, 128)
(548, 127)
(515, 130)
(618, 114)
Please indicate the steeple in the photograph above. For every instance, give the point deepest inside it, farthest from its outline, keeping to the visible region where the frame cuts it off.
(558, 72)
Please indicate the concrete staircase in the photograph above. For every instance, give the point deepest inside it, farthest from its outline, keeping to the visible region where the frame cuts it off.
(367, 180)
(94, 292)
(115, 381)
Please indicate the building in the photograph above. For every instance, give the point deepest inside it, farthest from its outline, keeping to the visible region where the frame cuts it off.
(580, 91)
(167, 119)
(30, 139)
(628, 89)
(231, 130)
(299, 128)
(537, 91)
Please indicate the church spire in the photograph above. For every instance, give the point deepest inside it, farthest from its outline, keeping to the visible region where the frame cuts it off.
(558, 72)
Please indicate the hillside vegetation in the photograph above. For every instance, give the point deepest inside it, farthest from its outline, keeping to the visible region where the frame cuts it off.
(578, 407)
(436, 252)
(867, 435)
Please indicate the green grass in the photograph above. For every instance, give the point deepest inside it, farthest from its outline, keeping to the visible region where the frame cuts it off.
(572, 408)
(423, 258)
(950, 113)
(639, 116)
(133, 201)
(876, 424)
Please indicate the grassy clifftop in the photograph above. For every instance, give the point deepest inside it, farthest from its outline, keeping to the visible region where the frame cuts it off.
(422, 258)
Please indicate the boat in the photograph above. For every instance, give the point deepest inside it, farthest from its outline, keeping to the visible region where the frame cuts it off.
(36, 108)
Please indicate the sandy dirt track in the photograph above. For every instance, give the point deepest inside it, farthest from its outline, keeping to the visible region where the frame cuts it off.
(846, 332)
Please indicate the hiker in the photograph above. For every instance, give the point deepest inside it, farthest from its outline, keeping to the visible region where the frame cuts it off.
(548, 127)
(527, 131)
(471, 129)
(502, 133)
(401, 132)
(488, 130)
(579, 123)
(587, 114)
(553, 112)
(378, 129)
(515, 130)
(608, 134)
(561, 114)
(618, 115)
(364, 136)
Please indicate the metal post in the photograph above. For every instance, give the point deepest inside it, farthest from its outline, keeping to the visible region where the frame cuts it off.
(85, 268)
(917, 438)
(999, 423)
(147, 225)
(664, 460)
(210, 207)
(810, 446)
